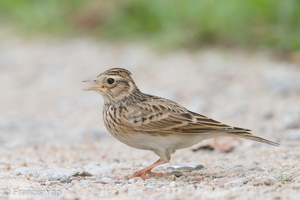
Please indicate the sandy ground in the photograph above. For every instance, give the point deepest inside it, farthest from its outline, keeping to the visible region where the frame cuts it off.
(53, 143)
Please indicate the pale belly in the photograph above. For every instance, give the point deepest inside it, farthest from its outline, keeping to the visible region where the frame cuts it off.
(157, 142)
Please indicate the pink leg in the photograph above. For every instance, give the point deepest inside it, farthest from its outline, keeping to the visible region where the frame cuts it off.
(144, 172)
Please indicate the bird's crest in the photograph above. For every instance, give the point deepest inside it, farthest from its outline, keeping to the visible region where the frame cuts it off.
(117, 71)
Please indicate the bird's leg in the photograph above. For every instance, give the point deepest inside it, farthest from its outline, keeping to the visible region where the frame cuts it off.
(146, 171)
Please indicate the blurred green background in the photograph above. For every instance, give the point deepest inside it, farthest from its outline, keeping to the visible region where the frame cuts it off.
(272, 24)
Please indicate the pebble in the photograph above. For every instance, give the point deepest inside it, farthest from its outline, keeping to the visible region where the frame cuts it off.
(107, 180)
(124, 189)
(230, 166)
(255, 163)
(132, 180)
(172, 178)
(173, 184)
(177, 173)
(95, 169)
(296, 186)
(185, 166)
(27, 171)
(58, 174)
(65, 180)
(263, 181)
(85, 182)
(237, 182)
(296, 180)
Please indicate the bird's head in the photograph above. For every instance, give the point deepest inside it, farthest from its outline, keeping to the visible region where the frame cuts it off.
(114, 85)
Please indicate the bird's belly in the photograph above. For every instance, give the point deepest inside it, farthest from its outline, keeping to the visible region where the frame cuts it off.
(135, 140)
(156, 142)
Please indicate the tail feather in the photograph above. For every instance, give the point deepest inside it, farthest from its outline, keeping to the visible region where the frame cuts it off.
(249, 136)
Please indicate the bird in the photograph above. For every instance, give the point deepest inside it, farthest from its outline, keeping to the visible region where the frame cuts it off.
(153, 123)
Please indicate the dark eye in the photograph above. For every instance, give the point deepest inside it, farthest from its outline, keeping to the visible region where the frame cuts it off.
(110, 81)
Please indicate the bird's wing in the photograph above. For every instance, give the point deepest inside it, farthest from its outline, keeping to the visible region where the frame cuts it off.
(170, 117)
(167, 117)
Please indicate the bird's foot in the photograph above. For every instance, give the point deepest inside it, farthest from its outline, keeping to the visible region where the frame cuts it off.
(145, 174)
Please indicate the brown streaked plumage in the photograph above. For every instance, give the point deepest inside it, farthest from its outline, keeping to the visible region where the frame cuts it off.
(153, 123)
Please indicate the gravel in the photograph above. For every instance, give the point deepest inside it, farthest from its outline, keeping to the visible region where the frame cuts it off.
(185, 166)
(53, 142)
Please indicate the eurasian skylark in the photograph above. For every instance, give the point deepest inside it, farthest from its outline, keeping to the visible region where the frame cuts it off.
(154, 123)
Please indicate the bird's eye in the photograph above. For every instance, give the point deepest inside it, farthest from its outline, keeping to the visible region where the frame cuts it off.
(110, 81)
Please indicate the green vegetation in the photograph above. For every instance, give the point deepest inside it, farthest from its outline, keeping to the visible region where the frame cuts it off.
(283, 178)
(183, 23)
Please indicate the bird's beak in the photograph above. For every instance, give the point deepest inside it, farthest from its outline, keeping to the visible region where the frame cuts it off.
(97, 88)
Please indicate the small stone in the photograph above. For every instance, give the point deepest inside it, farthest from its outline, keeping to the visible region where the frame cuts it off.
(177, 173)
(241, 175)
(83, 173)
(237, 182)
(95, 169)
(296, 186)
(84, 183)
(65, 180)
(132, 180)
(124, 189)
(23, 164)
(27, 171)
(264, 181)
(5, 167)
(173, 184)
(255, 163)
(185, 166)
(172, 178)
(58, 174)
(107, 180)
(296, 180)
(230, 166)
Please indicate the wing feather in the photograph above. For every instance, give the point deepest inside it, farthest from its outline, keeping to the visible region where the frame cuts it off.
(167, 117)
(172, 119)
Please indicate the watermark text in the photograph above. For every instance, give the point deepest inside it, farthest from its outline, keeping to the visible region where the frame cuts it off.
(29, 192)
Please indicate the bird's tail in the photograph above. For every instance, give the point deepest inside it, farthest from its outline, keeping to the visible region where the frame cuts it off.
(244, 134)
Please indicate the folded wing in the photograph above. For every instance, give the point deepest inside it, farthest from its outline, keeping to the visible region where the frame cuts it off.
(174, 119)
